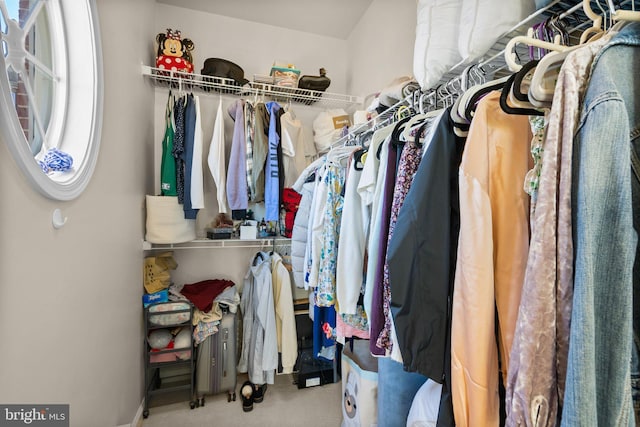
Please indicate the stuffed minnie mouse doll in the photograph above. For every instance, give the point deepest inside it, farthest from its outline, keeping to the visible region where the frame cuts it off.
(174, 53)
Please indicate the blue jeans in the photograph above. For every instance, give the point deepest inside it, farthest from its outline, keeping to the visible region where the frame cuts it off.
(396, 390)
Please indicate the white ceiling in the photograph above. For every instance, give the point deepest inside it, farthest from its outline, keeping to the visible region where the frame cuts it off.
(332, 18)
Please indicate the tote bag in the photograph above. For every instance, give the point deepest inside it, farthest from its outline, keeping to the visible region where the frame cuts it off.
(166, 222)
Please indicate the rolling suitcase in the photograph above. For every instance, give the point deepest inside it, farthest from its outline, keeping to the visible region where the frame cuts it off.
(216, 362)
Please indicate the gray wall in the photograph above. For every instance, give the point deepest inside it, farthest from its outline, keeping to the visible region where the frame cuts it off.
(380, 47)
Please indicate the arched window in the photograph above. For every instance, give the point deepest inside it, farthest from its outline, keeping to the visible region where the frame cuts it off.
(51, 91)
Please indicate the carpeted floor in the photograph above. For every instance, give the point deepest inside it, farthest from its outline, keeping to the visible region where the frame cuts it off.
(284, 405)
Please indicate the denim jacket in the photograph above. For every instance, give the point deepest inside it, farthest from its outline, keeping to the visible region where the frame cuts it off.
(598, 387)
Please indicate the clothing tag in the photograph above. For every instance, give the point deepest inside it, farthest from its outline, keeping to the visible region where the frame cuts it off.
(341, 121)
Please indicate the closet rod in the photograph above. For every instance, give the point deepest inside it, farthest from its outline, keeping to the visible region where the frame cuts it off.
(570, 11)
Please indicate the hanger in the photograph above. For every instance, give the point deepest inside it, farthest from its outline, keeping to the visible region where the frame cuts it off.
(622, 15)
(428, 101)
(358, 160)
(541, 31)
(504, 105)
(542, 85)
(416, 127)
(478, 92)
(397, 130)
(454, 113)
(470, 77)
(510, 55)
(452, 90)
(417, 119)
(337, 155)
(259, 255)
(421, 130)
(559, 26)
(365, 138)
(443, 96)
(516, 90)
(180, 91)
(478, 77)
(402, 112)
(596, 27)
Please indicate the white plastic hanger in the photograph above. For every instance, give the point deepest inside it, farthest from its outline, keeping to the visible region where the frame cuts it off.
(623, 15)
(339, 155)
(472, 77)
(596, 27)
(529, 40)
(540, 91)
(418, 119)
(542, 86)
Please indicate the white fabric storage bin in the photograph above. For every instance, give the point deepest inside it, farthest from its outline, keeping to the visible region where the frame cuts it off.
(166, 222)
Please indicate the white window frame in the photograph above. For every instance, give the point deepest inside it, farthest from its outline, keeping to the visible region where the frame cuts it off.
(76, 119)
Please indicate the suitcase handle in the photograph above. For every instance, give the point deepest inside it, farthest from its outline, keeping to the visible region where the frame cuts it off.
(224, 350)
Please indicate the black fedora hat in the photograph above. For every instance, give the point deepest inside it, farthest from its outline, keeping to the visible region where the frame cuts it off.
(217, 67)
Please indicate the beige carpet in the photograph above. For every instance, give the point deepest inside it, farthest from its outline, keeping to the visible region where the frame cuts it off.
(284, 405)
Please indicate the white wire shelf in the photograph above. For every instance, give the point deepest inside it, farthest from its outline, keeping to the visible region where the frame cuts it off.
(262, 243)
(201, 83)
